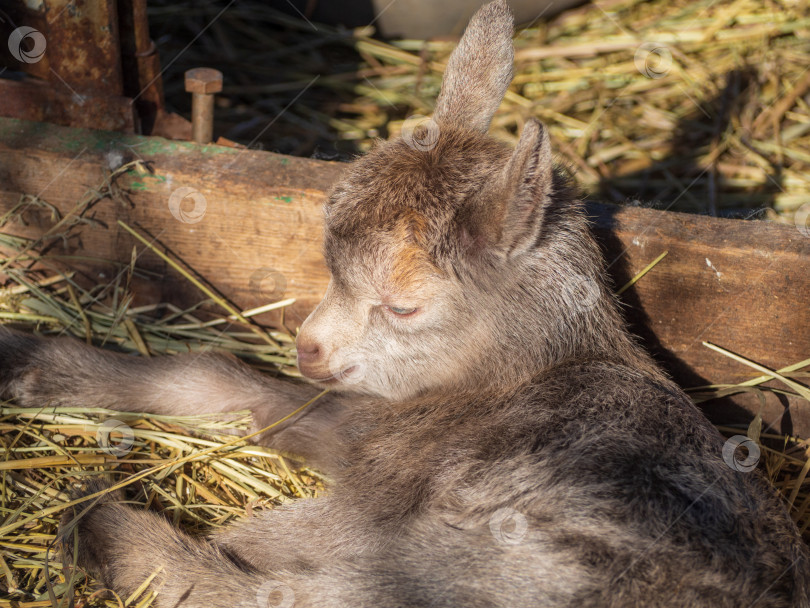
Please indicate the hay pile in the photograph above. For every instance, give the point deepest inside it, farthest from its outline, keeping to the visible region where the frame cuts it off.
(694, 105)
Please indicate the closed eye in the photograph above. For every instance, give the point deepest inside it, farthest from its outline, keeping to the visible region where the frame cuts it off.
(402, 311)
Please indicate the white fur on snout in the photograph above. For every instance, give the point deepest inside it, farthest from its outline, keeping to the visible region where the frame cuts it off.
(336, 326)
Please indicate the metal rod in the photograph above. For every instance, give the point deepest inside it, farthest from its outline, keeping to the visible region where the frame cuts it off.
(203, 83)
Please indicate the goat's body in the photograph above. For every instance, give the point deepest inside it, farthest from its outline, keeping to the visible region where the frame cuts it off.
(563, 490)
(499, 439)
(559, 494)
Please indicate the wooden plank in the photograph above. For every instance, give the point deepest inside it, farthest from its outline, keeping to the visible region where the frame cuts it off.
(262, 211)
(741, 285)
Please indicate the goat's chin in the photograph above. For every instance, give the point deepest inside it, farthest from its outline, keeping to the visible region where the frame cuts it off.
(377, 391)
(362, 382)
(338, 385)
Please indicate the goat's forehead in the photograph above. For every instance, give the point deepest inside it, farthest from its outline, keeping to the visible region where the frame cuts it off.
(395, 207)
(386, 262)
(395, 202)
(395, 177)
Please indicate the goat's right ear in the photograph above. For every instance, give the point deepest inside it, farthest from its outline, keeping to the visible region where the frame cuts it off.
(479, 70)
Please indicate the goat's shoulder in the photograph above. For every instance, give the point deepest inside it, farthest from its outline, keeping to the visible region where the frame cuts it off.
(609, 397)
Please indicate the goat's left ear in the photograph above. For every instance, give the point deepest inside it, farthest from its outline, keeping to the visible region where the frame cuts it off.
(508, 215)
(527, 183)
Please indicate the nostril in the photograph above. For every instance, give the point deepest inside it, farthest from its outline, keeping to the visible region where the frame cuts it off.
(308, 351)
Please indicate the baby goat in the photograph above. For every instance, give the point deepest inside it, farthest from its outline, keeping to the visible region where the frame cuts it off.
(495, 436)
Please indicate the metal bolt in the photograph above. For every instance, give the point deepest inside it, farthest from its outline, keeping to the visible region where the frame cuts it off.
(202, 83)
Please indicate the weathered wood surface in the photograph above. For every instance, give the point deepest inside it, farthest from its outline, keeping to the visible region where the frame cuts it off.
(742, 285)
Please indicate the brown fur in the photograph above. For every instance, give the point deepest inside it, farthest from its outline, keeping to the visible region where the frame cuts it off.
(506, 444)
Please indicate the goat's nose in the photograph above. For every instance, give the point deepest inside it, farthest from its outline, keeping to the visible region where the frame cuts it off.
(308, 352)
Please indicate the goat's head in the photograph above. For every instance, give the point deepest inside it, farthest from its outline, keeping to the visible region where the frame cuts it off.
(451, 253)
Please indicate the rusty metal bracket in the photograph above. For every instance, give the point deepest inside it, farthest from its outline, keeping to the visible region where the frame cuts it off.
(83, 63)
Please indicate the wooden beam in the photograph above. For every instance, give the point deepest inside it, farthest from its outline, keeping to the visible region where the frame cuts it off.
(255, 235)
(743, 285)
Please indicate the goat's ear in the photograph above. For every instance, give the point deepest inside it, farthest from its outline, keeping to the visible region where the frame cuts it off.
(506, 218)
(527, 183)
(479, 70)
